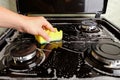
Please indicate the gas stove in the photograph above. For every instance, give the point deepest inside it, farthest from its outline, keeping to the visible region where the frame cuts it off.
(86, 50)
(90, 48)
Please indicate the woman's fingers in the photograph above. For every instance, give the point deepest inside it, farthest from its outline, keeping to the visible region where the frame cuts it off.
(44, 34)
(47, 25)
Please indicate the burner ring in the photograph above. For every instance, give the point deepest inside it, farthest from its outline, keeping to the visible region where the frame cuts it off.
(22, 50)
(108, 53)
(26, 65)
(89, 23)
(89, 26)
(25, 58)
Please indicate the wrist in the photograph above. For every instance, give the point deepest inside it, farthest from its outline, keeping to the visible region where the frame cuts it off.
(21, 23)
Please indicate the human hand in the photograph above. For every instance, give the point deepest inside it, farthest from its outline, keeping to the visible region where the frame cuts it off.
(36, 26)
(31, 25)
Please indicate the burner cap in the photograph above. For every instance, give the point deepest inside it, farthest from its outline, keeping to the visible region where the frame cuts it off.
(23, 51)
(89, 26)
(108, 53)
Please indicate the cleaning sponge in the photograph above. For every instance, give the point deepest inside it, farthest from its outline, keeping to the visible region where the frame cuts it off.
(54, 36)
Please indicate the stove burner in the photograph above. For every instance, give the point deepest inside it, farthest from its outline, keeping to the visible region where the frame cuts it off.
(108, 53)
(104, 57)
(23, 51)
(22, 56)
(89, 26)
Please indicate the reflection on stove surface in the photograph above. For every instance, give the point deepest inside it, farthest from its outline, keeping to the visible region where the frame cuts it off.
(87, 49)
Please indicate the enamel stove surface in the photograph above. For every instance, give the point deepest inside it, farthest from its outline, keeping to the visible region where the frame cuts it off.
(88, 49)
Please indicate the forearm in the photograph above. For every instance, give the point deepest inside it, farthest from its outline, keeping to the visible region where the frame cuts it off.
(31, 25)
(10, 19)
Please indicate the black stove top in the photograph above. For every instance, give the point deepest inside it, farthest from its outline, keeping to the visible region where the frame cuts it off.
(89, 48)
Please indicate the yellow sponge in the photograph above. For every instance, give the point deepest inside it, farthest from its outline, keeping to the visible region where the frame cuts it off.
(54, 36)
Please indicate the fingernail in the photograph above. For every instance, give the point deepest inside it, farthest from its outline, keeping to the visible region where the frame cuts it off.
(49, 40)
(54, 30)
